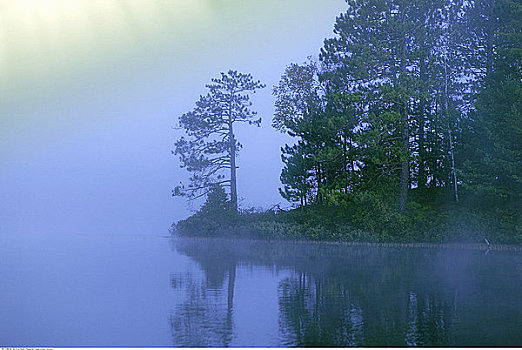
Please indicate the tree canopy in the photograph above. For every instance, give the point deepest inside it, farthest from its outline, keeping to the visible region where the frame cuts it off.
(408, 96)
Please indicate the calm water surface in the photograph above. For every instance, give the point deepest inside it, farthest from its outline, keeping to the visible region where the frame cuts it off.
(153, 291)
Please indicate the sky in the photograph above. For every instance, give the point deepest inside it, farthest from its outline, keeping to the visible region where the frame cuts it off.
(91, 91)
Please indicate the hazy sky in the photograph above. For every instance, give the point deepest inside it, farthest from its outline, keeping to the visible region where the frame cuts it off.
(90, 91)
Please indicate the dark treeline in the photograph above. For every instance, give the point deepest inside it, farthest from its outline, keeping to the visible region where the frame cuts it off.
(410, 121)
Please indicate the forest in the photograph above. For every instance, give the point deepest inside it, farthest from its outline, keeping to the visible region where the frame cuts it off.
(407, 128)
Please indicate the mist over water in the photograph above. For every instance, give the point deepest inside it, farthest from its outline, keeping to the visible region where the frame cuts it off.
(74, 290)
(339, 295)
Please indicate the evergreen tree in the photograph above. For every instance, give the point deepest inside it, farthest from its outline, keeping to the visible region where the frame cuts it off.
(297, 176)
(211, 149)
(373, 53)
(217, 203)
(493, 166)
(322, 161)
(298, 111)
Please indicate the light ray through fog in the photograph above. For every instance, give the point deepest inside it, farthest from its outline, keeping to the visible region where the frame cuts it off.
(90, 90)
(48, 48)
(47, 37)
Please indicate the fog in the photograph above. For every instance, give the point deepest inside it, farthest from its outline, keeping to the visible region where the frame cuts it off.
(91, 91)
(415, 199)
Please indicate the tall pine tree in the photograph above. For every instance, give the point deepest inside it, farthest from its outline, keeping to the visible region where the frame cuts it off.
(210, 151)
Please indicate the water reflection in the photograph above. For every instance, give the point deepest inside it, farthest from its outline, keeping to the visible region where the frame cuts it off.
(206, 318)
(337, 296)
(315, 312)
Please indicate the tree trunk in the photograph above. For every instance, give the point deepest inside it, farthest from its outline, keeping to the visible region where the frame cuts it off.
(405, 170)
(233, 181)
(453, 165)
(345, 165)
(422, 179)
(490, 32)
(446, 112)
(232, 140)
(319, 182)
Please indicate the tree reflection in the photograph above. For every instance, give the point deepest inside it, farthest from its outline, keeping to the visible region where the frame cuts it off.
(312, 317)
(339, 295)
(430, 322)
(206, 317)
(355, 302)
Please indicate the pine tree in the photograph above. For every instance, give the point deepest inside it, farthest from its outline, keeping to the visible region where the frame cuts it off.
(493, 169)
(297, 175)
(211, 149)
(322, 162)
(299, 109)
(375, 47)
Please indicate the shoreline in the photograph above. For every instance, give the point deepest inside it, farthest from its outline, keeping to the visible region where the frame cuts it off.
(455, 246)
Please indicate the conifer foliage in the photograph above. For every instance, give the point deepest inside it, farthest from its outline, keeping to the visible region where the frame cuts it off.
(408, 96)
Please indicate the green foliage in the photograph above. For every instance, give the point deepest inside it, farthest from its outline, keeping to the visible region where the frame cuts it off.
(323, 159)
(214, 217)
(377, 214)
(412, 103)
(368, 218)
(492, 171)
(297, 175)
(217, 203)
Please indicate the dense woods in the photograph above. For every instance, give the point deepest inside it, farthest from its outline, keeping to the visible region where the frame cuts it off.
(407, 127)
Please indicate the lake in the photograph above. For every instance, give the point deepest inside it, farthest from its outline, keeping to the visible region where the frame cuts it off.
(130, 290)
